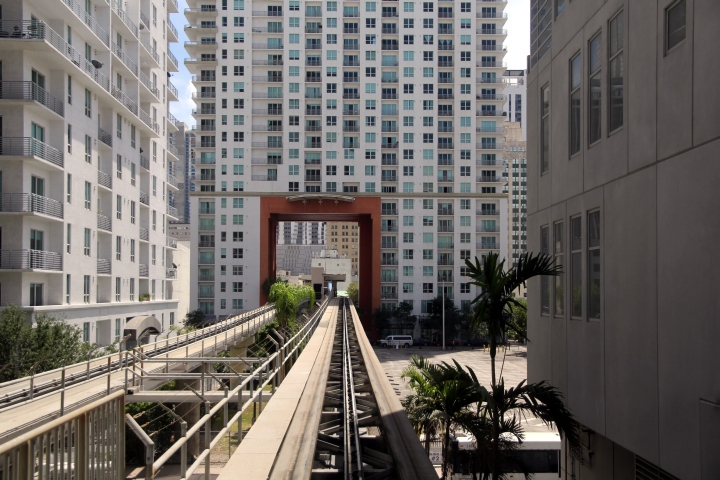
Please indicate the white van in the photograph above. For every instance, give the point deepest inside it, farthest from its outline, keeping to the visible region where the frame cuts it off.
(401, 340)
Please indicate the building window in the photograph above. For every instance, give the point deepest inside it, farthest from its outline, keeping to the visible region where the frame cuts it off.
(132, 289)
(67, 289)
(593, 272)
(594, 90)
(88, 195)
(86, 244)
(576, 265)
(88, 103)
(86, 332)
(558, 249)
(575, 103)
(117, 288)
(86, 288)
(674, 25)
(617, 68)
(545, 279)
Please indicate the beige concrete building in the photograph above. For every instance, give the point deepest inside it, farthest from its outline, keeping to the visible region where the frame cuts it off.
(623, 170)
(345, 238)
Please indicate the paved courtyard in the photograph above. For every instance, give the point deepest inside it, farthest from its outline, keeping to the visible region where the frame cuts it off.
(395, 361)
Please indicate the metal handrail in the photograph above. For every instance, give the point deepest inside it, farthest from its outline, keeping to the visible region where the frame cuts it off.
(104, 266)
(104, 222)
(118, 52)
(143, 270)
(30, 203)
(11, 90)
(30, 259)
(30, 147)
(104, 179)
(144, 234)
(124, 17)
(105, 137)
(88, 20)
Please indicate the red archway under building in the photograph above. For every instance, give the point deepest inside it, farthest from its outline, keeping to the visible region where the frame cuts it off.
(331, 208)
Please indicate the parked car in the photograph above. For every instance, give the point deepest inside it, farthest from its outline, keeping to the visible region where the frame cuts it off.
(392, 340)
(423, 342)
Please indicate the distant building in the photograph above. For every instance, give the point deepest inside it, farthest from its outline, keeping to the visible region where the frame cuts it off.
(345, 238)
(184, 139)
(515, 105)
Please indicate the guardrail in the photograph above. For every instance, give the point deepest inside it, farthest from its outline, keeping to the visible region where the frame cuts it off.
(103, 266)
(104, 223)
(30, 259)
(104, 179)
(32, 92)
(30, 203)
(143, 270)
(144, 234)
(88, 20)
(30, 147)
(170, 242)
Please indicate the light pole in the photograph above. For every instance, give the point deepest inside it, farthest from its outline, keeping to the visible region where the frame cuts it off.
(443, 314)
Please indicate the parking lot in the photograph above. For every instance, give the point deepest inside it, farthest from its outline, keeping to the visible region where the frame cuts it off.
(395, 361)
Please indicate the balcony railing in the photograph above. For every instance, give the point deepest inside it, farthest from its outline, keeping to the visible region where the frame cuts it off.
(104, 179)
(491, 15)
(313, 111)
(30, 203)
(388, 244)
(264, 178)
(172, 211)
(388, 278)
(445, 277)
(143, 270)
(490, 179)
(267, 46)
(30, 147)
(271, 111)
(207, 244)
(446, 261)
(388, 261)
(148, 84)
(488, 246)
(491, 31)
(132, 66)
(487, 229)
(389, 228)
(173, 60)
(144, 234)
(267, 128)
(206, 278)
(144, 162)
(31, 92)
(104, 223)
(170, 273)
(124, 17)
(267, 29)
(277, 144)
(273, 79)
(267, 13)
(389, 211)
(313, 178)
(104, 266)
(88, 20)
(389, 295)
(30, 259)
(491, 96)
(105, 137)
(266, 161)
(144, 198)
(172, 180)
(488, 213)
(170, 242)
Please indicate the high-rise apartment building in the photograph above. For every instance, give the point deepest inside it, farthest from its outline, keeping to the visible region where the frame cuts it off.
(516, 167)
(183, 138)
(301, 233)
(345, 238)
(85, 161)
(515, 91)
(398, 100)
(622, 190)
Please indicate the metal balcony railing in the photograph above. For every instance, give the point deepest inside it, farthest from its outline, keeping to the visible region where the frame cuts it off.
(264, 178)
(170, 242)
(446, 244)
(30, 259)
(30, 203)
(88, 20)
(267, 29)
(31, 92)
(277, 144)
(170, 273)
(388, 278)
(104, 223)
(446, 261)
(266, 161)
(487, 229)
(144, 234)
(206, 278)
(105, 137)
(446, 113)
(388, 178)
(148, 84)
(491, 15)
(30, 147)
(267, 13)
(143, 270)
(388, 261)
(490, 179)
(207, 244)
(267, 46)
(172, 211)
(172, 180)
(445, 278)
(389, 295)
(104, 179)
(173, 60)
(389, 228)
(104, 266)
(118, 52)
(271, 111)
(144, 162)
(144, 198)
(267, 128)
(488, 246)
(125, 18)
(173, 30)
(488, 213)
(313, 111)
(388, 211)
(273, 79)
(445, 228)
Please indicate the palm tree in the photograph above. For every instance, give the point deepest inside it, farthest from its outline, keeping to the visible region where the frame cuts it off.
(442, 396)
(493, 309)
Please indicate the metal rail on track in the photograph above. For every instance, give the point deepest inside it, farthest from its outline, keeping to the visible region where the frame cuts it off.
(28, 388)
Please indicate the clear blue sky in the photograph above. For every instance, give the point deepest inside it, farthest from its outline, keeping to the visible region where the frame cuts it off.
(518, 43)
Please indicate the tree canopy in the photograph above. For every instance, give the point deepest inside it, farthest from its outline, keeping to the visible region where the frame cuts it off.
(287, 299)
(50, 344)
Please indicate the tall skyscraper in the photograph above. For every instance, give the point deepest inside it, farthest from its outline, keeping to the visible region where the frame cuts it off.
(398, 100)
(85, 161)
(184, 139)
(622, 190)
(301, 233)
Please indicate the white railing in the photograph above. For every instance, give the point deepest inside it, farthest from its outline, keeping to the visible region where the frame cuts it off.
(87, 18)
(30, 147)
(124, 17)
(30, 259)
(104, 222)
(31, 203)
(31, 91)
(103, 266)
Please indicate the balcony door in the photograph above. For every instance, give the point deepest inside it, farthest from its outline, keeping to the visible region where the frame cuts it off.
(36, 239)
(37, 186)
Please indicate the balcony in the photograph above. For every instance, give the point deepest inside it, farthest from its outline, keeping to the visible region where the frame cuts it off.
(30, 92)
(267, 128)
(309, 177)
(445, 211)
(390, 30)
(490, 146)
(144, 162)
(353, 96)
(446, 146)
(264, 79)
(389, 211)
(29, 147)
(172, 211)
(352, 128)
(491, 64)
(389, 295)
(270, 111)
(30, 260)
(267, 95)
(267, 29)
(313, 46)
(171, 274)
(273, 61)
(354, 30)
(491, 48)
(445, 129)
(388, 278)
(266, 161)
(264, 178)
(267, 13)
(389, 14)
(446, 245)
(104, 223)
(446, 113)
(127, 61)
(445, 96)
(317, 145)
(30, 203)
(204, 111)
(488, 15)
(170, 242)
(388, 244)
(445, 63)
(313, 95)
(313, 128)
(388, 178)
(208, 277)
(104, 266)
(487, 229)
(267, 46)
(88, 20)
(488, 213)
(446, 31)
(491, 113)
(117, 9)
(210, 94)
(446, 261)
(204, 128)
(144, 234)
(172, 181)
(390, 145)
(389, 228)
(351, 111)
(144, 199)
(445, 228)
(313, 29)
(389, 96)
(277, 144)
(491, 97)
(207, 244)
(143, 270)
(313, 111)
(491, 179)
(104, 179)
(487, 246)
(446, 178)
(313, 62)
(105, 137)
(313, 79)
(445, 278)
(351, 63)
(491, 31)
(481, 129)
